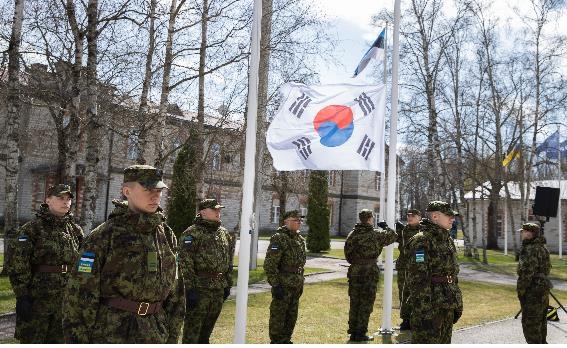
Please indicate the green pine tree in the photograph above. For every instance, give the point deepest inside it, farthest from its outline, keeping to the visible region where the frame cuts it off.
(318, 238)
(183, 193)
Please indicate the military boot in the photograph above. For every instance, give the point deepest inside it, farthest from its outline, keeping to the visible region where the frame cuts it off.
(360, 338)
(405, 325)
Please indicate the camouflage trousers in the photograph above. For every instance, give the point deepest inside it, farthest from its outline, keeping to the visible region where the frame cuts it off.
(200, 321)
(403, 293)
(45, 325)
(534, 315)
(283, 315)
(362, 293)
(432, 326)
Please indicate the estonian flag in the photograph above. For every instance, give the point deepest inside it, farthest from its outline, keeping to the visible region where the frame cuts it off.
(375, 51)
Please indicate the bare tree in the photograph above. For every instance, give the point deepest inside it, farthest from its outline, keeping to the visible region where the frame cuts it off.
(11, 221)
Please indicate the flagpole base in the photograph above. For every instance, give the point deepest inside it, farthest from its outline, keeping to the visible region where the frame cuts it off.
(391, 336)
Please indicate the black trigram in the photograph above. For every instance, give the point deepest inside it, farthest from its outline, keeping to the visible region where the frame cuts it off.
(366, 147)
(299, 105)
(303, 146)
(365, 103)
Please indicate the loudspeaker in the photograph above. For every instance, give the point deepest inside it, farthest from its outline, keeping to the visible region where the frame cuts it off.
(546, 201)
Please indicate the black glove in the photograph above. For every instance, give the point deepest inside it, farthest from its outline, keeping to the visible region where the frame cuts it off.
(457, 315)
(278, 292)
(24, 307)
(399, 226)
(382, 224)
(192, 298)
(226, 293)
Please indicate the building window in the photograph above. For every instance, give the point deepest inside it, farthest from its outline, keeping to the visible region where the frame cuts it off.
(377, 176)
(276, 214)
(215, 157)
(133, 144)
(332, 178)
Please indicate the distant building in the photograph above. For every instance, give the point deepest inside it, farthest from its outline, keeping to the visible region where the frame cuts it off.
(479, 208)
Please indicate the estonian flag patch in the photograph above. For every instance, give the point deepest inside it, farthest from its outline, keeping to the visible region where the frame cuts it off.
(86, 262)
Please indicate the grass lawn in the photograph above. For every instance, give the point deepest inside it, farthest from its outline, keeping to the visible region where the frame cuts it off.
(506, 264)
(323, 311)
(340, 254)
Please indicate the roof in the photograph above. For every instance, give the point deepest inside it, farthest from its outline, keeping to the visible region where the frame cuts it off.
(482, 191)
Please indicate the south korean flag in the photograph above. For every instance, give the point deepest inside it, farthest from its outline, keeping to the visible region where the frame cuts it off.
(328, 127)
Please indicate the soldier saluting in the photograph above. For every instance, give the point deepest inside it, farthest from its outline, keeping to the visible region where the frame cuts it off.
(435, 296)
(363, 245)
(125, 286)
(40, 256)
(283, 265)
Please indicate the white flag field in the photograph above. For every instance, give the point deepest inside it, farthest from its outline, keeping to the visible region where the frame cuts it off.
(328, 127)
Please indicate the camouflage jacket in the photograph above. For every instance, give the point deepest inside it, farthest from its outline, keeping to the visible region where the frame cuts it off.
(363, 245)
(432, 254)
(286, 252)
(206, 251)
(46, 240)
(403, 238)
(130, 256)
(533, 266)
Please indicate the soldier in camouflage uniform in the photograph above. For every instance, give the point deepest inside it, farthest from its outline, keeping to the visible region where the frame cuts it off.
(533, 284)
(435, 297)
(206, 252)
(404, 235)
(40, 256)
(363, 245)
(285, 259)
(125, 287)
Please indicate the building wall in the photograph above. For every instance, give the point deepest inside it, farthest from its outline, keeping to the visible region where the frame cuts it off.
(551, 228)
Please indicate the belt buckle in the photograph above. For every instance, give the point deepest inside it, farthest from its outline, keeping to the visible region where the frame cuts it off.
(63, 268)
(143, 310)
(450, 279)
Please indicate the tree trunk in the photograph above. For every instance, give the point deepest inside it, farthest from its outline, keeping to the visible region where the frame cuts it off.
(95, 125)
(11, 220)
(200, 150)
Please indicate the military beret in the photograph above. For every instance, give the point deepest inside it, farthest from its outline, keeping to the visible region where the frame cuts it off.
(209, 203)
(147, 176)
(414, 212)
(365, 214)
(293, 214)
(59, 189)
(530, 226)
(442, 207)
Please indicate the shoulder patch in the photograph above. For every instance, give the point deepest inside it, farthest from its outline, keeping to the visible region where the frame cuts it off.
(86, 262)
(275, 246)
(420, 256)
(188, 241)
(22, 238)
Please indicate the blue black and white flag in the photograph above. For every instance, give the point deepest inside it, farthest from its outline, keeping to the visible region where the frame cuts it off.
(375, 51)
(328, 127)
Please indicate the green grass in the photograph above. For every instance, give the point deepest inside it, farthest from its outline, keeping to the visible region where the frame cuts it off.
(323, 311)
(506, 264)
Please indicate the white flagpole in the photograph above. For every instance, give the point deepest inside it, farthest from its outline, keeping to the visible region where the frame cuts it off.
(383, 172)
(392, 157)
(559, 213)
(247, 215)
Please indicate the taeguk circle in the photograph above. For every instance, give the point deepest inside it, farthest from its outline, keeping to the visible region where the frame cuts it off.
(334, 125)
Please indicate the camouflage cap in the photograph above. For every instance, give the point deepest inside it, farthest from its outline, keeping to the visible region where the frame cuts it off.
(365, 214)
(147, 176)
(414, 212)
(530, 226)
(442, 207)
(293, 214)
(59, 189)
(209, 203)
